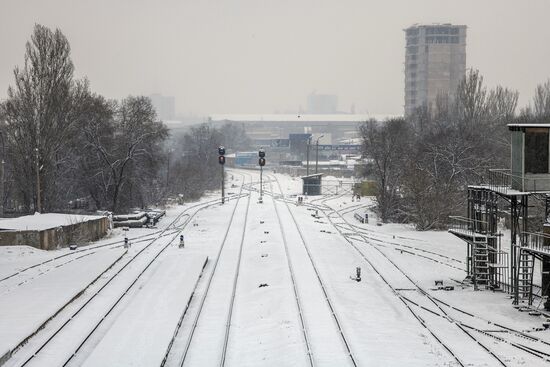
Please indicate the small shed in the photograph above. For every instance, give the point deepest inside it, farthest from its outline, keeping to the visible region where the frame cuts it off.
(530, 164)
(312, 184)
(52, 230)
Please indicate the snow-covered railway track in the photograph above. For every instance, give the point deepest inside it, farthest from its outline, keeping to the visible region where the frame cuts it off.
(295, 288)
(425, 254)
(22, 276)
(234, 288)
(183, 359)
(474, 333)
(436, 336)
(340, 331)
(25, 277)
(25, 356)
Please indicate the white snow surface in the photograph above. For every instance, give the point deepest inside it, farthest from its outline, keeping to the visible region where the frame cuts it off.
(140, 335)
(375, 315)
(24, 308)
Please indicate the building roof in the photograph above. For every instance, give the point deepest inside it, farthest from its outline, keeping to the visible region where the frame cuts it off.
(40, 222)
(530, 125)
(315, 175)
(299, 117)
(426, 25)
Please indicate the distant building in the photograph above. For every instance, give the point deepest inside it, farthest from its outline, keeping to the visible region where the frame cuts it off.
(261, 128)
(322, 103)
(164, 105)
(435, 62)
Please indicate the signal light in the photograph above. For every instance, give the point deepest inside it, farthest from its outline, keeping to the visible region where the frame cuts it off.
(221, 159)
(261, 161)
(221, 150)
(261, 153)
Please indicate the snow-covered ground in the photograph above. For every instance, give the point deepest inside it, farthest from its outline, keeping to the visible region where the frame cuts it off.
(277, 291)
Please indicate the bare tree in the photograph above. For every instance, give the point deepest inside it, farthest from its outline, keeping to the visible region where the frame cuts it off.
(470, 100)
(39, 115)
(123, 146)
(385, 144)
(541, 101)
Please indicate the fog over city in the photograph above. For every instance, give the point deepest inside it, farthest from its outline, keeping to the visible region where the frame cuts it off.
(248, 56)
(285, 183)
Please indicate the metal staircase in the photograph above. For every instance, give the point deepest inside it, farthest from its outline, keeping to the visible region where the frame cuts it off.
(525, 277)
(481, 264)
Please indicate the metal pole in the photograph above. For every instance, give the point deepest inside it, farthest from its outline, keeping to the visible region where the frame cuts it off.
(38, 200)
(307, 157)
(261, 183)
(223, 188)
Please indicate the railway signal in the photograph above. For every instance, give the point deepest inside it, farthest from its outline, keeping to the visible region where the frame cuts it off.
(182, 242)
(221, 161)
(261, 162)
(126, 242)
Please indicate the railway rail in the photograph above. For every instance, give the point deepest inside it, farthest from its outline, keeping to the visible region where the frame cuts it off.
(295, 289)
(205, 294)
(464, 327)
(330, 304)
(74, 315)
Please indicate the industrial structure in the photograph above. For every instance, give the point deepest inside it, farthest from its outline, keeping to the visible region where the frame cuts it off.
(435, 62)
(510, 193)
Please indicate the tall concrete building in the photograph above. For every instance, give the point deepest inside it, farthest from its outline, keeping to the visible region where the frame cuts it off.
(164, 105)
(435, 62)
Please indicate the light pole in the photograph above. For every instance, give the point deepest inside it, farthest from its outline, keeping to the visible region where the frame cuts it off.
(317, 153)
(307, 155)
(38, 200)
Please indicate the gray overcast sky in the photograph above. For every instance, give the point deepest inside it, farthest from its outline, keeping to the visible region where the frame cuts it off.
(254, 56)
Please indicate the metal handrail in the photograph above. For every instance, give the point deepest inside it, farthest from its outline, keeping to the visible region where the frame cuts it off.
(536, 241)
(467, 225)
(503, 180)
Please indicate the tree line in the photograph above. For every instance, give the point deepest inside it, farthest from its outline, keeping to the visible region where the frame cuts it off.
(422, 165)
(63, 142)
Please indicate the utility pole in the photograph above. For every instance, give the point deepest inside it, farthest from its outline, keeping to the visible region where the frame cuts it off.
(317, 152)
(221, 161)
(38, 199)
(307, 156)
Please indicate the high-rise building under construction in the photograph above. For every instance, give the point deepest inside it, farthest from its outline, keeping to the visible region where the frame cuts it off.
(435, 62)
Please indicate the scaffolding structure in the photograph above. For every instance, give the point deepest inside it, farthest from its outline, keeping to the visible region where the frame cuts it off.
(526, 182)
(489, 266)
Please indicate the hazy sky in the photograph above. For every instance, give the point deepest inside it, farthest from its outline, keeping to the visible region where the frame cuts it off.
(254, 56)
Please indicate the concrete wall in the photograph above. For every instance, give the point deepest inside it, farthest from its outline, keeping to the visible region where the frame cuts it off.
(62, 236)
